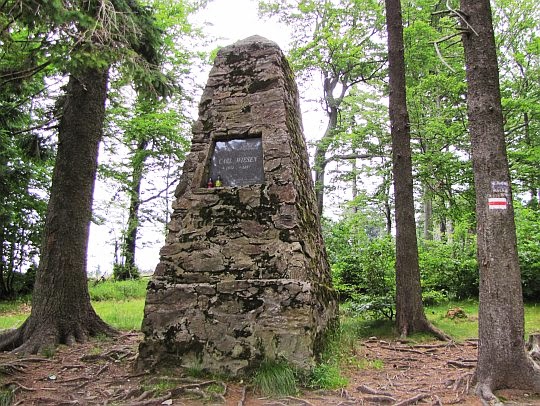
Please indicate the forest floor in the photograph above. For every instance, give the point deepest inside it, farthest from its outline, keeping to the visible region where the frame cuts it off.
(101, 372)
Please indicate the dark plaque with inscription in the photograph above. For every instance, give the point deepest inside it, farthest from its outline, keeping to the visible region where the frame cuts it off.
(237, 162)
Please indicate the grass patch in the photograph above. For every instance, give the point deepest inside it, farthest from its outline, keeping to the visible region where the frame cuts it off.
(161, 385)
(117, 290)
(376, 364)
(195, 370)
(10, 321)
(13, 313)
(123, 315)
(216, 388)
(327, 376)
(459, 329)
(6, 397)
(14, 306)
(275, 378)
(463, 328)
(532, 318)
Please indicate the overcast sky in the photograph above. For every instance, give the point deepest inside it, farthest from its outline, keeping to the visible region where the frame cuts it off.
(233, 20)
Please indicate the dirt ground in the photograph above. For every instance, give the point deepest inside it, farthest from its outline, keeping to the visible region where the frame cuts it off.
(382, 373)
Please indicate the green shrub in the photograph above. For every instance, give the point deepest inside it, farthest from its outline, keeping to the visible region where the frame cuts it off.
(450, 266)
(434, 297)
(365, 278)
(528, 235)
(123, 272)
(373, 306)
(362, 260)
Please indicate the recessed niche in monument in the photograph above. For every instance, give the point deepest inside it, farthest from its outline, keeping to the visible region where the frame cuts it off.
(237, 162)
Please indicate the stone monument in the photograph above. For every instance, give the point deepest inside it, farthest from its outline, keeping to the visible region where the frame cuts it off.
(243, 275)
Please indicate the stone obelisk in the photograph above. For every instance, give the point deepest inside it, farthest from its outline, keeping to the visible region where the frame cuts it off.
(243, 275)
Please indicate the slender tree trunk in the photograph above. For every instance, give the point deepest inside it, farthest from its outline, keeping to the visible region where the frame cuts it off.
(3, 292)
(428, 216)
(130, 245)
(535, 193)
(388, 216)
(410, 315)
(502, 360)
(320, 153)
(61, 309)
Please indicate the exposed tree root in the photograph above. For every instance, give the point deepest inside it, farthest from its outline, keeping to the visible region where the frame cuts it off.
(380, 399)
(302, 402)
(423, 326)
(37, 336)
(371, 391)
(438, 334)
(487, 396)
(413, 400)
(524, 375)
(462, 364)
(150, 402)
(20, 386)
(116, 354)
(243, 398)
(533, 346)
(465, 381)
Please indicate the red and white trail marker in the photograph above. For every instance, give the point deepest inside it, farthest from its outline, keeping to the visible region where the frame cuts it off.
(497, 203)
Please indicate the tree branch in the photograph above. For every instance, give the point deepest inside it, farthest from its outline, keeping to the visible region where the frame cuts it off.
(42, 126)
(350, 156)
(24, 73)
(158, 195)
(458, 13)
(436, 44)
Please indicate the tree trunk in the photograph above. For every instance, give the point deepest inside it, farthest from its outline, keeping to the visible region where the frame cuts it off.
(410, 315)
(354, 185)
(322, 148)
(535, 193)
(3, 290)
(61, 309)
(428, 216)
(502, 359)
(137, 165)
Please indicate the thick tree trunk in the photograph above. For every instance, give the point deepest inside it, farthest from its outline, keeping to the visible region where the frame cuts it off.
(61, 309)
(502, 359)
(410, 315)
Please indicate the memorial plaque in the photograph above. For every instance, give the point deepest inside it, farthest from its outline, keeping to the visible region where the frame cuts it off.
(237, 162)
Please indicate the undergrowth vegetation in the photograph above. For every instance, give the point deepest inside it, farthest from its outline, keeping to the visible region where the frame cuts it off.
(112, 290)
(275, 378)
(362, 259)
(121, 304)
(118, 303)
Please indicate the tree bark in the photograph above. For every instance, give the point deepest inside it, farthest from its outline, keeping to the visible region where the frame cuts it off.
(137, 165)
(410, 315)
(502, 359)
(428, 215)
(61, 309)
(322, 145)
